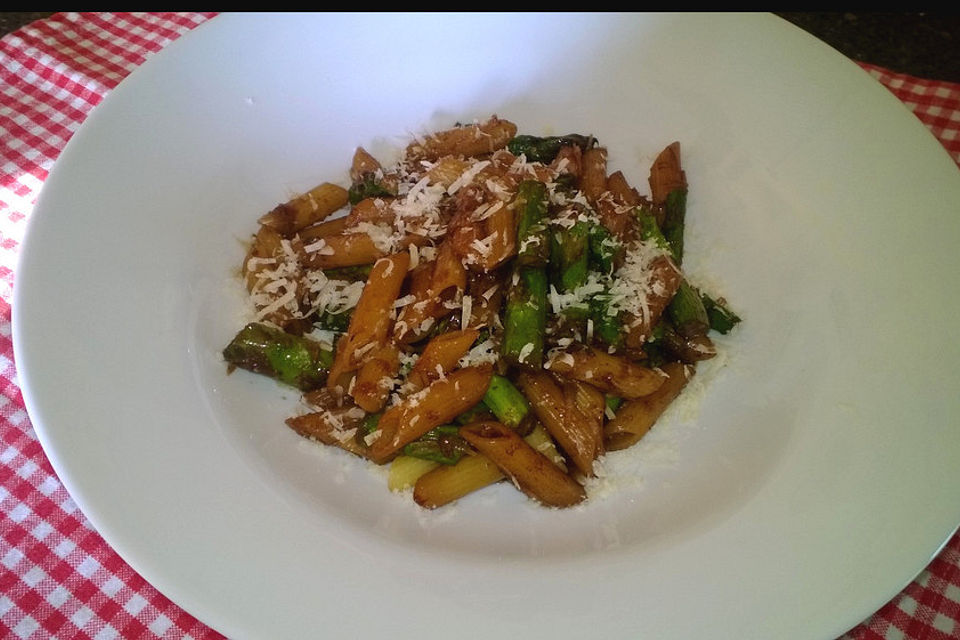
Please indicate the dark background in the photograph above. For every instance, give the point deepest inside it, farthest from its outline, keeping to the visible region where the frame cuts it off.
(926, 45)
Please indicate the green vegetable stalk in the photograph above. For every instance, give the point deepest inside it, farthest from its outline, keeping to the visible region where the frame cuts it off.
(299, 362)
(532, 233)
(675, 211)
(722, 319)
(506, 402)
(442, 444)
(537, 149)
(525, 319)
(569, 253)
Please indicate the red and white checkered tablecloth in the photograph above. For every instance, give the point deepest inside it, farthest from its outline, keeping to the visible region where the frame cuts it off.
(58, 578)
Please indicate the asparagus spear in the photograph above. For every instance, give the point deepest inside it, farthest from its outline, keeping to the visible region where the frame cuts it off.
(687, 313)
(606, 327)
(537, 149)
(532, 232)
(569, 253)
(675, 211)
(686, 309)
(603, 248)
(722, 319)
(506, 402)
(300, 362)
(442, 444)
(526, 317)
(350, 274)
(367, 187)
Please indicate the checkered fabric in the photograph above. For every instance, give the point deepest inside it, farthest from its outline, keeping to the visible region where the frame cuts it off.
(58, 578)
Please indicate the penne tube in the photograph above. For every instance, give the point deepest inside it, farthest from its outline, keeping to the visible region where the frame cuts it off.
(375, 379)
(266, 244)
(593, 177)
(500, 242)
(571, 431)
(336, 427)
(372, 210)
(634, 418)
(417, 318)
(346, 250)
(666, 279)
(445, 484)
(305, 210)
(530, 470)
(447, 170)
(449, 276)
(435, 405)
(592, 405)
(666, 174)
(612, 374)
(440, 356)
(371, 318)
(406, 470)
(363, 163)
(471, 140)
(324, 229)
(622, 191)
(540, 440)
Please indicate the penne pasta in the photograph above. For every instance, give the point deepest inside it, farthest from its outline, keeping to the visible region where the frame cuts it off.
(571, 431)
(634, 418)
(529, 469)
(371, 318)
(305, 210)
(440, 356)
(406, 470)
(470, 140)
(435, 405)
(612, 374)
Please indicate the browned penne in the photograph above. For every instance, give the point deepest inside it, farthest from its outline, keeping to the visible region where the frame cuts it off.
(591, 404)
(440, 356)
(336, 427)
(666, 174)
(446, 484)
(593, 176)
(530, 470)
(634, 418)
(372, 210)
(612, 374)
(371, 318)
(375, 378)
(571, 431)
(447, 170)
(621, 190)
(347, 250)
(267, 244)
(417, 317)
(470, 140)
(305, 210)
(363, 163)
(666, 278)
(435, 405)
(324, 229)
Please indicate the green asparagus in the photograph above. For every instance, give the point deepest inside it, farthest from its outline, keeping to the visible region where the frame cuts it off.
(442, 444)
(367, 187)
(537, 149)
(722, 319)
(506, 402)
(526, 317)
(532, 233)
(299, 362)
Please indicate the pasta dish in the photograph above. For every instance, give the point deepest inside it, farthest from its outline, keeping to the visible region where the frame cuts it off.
(495, 306)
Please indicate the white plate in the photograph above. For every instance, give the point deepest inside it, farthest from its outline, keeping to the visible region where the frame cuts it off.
(822, 473)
